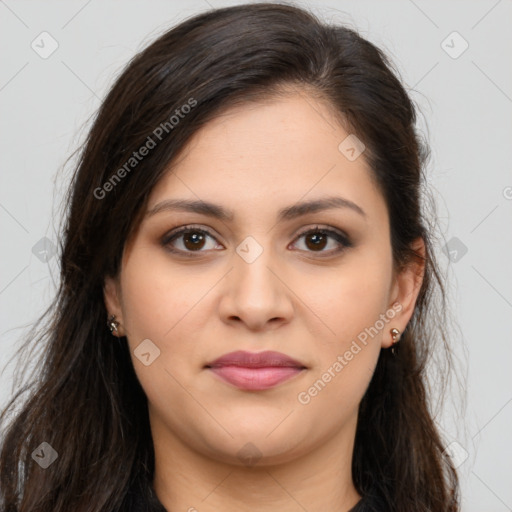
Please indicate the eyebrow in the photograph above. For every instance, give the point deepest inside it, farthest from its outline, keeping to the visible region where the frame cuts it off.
(288, 213)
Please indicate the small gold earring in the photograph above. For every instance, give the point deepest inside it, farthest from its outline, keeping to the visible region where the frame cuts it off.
(395, 334)
(113, 324)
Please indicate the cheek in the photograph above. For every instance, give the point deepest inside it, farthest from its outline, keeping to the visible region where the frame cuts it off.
(166, 305)
(158, 305)
(345, 361)
(350, 299)
(157, 296)
(350, 304)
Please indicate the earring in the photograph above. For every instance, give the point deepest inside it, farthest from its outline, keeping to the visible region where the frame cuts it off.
(395, 334)
(112, 324)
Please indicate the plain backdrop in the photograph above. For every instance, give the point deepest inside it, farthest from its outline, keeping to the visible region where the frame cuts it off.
(59, 58)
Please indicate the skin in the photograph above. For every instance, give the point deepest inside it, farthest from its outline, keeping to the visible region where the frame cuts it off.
(254, 160)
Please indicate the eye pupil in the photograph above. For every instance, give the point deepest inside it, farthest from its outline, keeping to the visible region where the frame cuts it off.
(318, 241)
(195, 238)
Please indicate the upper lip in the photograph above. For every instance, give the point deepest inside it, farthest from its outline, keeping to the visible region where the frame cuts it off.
(255, 360)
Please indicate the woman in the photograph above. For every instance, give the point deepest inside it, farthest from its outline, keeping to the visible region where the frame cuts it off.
(246, 302)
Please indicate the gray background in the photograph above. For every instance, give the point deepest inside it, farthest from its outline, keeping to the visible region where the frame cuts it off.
(466, 104)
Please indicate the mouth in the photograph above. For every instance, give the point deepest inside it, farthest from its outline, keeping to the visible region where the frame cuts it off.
(255, 371)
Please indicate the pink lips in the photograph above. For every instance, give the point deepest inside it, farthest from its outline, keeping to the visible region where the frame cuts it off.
(255, 371)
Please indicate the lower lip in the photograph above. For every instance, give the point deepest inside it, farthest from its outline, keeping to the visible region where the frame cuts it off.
(255, 379)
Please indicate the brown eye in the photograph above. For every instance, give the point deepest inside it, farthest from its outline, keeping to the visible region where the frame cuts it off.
(188, 240)
(318, 239)
(193, 240)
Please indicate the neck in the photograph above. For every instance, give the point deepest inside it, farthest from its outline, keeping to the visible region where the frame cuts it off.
(319, 480)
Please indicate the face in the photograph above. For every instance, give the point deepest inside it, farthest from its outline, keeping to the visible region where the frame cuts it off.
(315, 284)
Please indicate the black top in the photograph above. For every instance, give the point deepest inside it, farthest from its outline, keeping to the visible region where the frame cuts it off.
(145, 500)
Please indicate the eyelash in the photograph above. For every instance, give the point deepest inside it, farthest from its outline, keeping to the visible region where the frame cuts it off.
(342, 239)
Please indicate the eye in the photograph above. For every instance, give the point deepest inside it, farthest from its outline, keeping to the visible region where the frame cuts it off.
(317, 239)
(188, 239)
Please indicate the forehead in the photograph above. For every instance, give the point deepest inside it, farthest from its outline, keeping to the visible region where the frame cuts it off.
(262, 156)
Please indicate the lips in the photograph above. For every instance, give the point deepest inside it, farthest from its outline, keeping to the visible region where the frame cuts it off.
(256, 360)
(255, 371)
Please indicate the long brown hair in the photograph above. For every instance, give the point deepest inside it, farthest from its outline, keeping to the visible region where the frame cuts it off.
(85, 400)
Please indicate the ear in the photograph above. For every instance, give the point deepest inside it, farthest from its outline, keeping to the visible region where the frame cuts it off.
(112, 297)
(405, 290)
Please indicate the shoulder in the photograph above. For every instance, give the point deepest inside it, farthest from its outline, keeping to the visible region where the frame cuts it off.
(141, 498)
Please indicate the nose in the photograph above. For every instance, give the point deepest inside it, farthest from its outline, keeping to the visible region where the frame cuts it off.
(256, 294)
